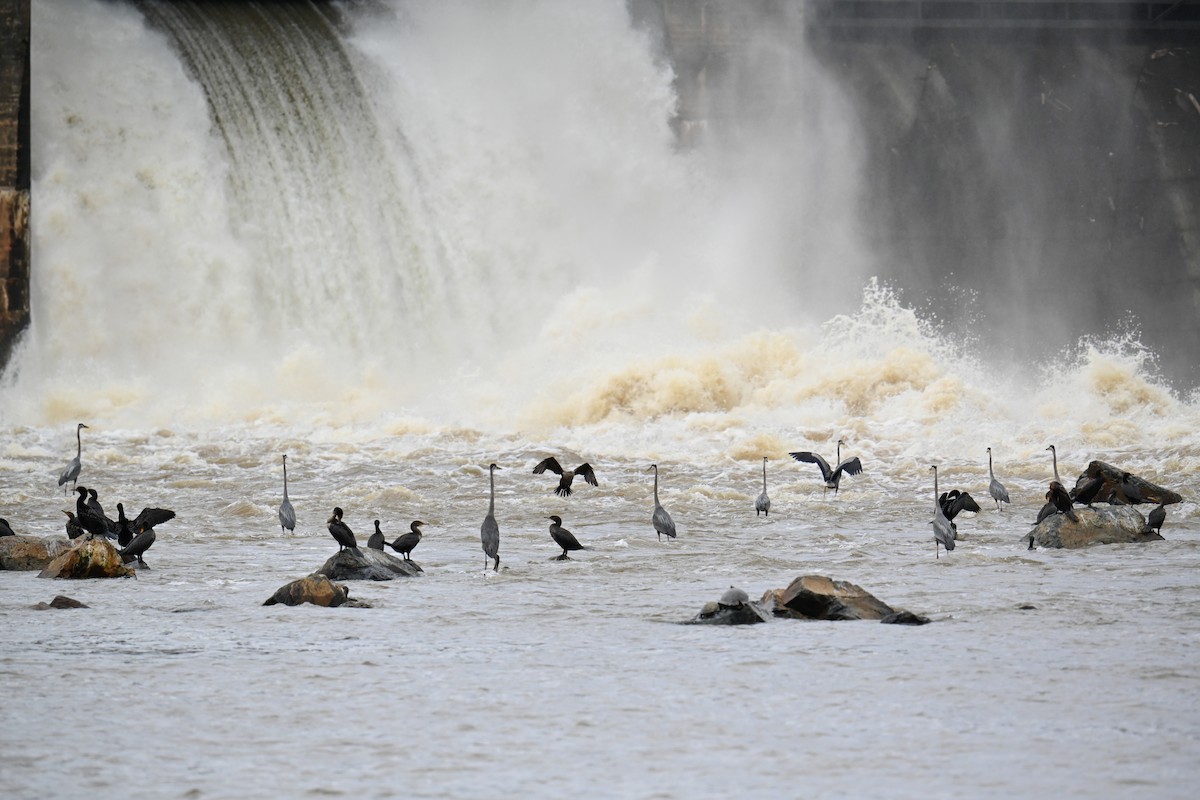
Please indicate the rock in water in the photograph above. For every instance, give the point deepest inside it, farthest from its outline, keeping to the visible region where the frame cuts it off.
(60, 601)
(89, 558)
(734, 608)
(31, 552)
(315, 589)
(1120, 487)
(1096, 525)
(366, 564)
(818, 597)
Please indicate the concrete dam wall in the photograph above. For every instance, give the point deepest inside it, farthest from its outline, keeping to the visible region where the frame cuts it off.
(1049, 172)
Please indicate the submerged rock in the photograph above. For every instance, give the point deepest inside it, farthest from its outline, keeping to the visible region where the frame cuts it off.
(366, 564)
(819, 597)
(60, 601)
(903, 617)
(88, 558)
(31, 552)
(1096, 525)
(734, 608)
(315, 589)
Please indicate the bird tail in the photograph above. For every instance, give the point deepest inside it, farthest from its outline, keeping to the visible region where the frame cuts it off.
(563, 491)
(1071, 515)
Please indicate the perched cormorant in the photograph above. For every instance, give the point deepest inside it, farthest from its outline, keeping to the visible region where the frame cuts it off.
(142, 530)
(341, 531)
(489, 531)
(663, 524)
(74, 531)
(287, 514)
(762, 503)
(943, 532)
(1061, 500)
(376, 541)
(110, 526)
(70, 473)
(1155, 519)
(563, 537)
(124, 532)
(996, 488)
(567, 475)
(5, 529)
(86, 517)
(140, 544)
(832, 476)
(1085, 493)
(405, 542)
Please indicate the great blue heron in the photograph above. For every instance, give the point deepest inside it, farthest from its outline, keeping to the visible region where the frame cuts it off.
(287, 514)
(566, 475)
(5, 528)
(376, 542)
(1054, 455)
(489, 531)
(1061, 500)
(405, 542)
(71, 472)
(996, 488)
(563, 537)
(943, 533)
(832, 476)
(340, 531)
(663, 524)
(762, 503)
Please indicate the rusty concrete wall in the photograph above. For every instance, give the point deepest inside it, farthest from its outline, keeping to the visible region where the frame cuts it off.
(14, 173)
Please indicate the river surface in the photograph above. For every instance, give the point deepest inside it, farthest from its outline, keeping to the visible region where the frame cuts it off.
(406, 240)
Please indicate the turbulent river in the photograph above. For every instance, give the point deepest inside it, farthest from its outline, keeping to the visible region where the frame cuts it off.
(499, 276)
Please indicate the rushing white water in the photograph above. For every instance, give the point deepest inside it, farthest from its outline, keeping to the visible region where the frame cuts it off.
(459, 233)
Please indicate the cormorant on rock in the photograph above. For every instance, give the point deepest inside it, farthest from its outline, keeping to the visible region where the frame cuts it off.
(341, 531)
(563, 537)
(1062, 500)
(376, 541)
(405, 542)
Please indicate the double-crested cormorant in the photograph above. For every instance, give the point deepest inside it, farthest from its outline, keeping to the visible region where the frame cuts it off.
(140, 530)
(86, 517)
(405, 542)
(70, 473)
(943, 532)
(1086, 492)
(376, 542)
(833, 477)
(5, 529)
(287, 514)
(663, 524)
(110, 525)
(340, 531)
(567, 475)
(762, 503)
(954, 501)
(1155, 519)
(996, 488)
(124, 532)
(1061, 500)
(563, 537)
(136, 548)
(74, 531)
(489, 531)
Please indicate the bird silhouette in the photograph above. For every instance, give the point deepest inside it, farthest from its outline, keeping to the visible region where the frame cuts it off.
(566, 476)
(831, 475)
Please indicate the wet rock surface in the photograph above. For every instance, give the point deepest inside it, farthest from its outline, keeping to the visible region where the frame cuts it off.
(1096, 525)
(366, 564)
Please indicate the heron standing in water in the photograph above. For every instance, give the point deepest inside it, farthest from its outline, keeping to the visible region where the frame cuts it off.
(489, 531)
(996, 488)
(287, 514)
(831, 475)
(71, 472)
(663, 524)
(762, 503)
(943, 532)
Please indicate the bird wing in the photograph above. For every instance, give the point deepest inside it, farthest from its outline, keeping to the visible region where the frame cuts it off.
(149, 517)
(997, 490)
(587, 473)
(551, 464)
(851, 466)
(663, 522)
(964, 502)
(70, 472)
(813, 458)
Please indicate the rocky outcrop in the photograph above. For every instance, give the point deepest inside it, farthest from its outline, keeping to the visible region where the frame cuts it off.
(366, 564)
(819, 597)
(315, 589)
(30, 552)
(1124, 488)
(89, 558)
(1096, 525)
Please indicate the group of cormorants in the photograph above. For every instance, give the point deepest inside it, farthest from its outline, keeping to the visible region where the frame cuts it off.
(133, 536)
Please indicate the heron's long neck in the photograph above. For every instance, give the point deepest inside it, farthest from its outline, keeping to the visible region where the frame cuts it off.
(991, 474)
(764, 475)
(78, 443)
(656, 486)
(936, 504)
(285, 479)
(1054, 456)
(838, 458)
(492, 499)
